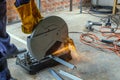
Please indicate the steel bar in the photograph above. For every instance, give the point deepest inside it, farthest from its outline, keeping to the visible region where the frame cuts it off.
(62, 62)
(38, 2)
(71, 6)
(69, 75)
(80, 6)
(55, 74)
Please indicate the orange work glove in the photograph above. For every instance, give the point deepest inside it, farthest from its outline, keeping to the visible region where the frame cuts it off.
(30, 16)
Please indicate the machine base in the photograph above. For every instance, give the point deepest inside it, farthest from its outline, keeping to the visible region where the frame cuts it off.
(35, 66)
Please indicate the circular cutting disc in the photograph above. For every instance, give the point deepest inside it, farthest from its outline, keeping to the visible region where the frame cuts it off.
(49, 31)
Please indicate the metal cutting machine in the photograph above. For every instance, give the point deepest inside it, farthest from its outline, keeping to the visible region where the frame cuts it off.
(49, 38)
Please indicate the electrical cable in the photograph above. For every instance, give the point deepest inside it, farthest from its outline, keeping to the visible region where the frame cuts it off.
(95, 14)
(75, 32)
(92, 40)
(107, 31)
(111, 26)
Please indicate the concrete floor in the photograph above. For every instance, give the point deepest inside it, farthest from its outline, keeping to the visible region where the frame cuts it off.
(92, 64)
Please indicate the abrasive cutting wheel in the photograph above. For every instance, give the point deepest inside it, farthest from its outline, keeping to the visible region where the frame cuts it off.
(47, 37)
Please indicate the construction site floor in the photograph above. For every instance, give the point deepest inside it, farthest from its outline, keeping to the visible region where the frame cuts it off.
(92, 63)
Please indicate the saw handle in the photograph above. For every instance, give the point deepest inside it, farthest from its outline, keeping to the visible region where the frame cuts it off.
(107, 41)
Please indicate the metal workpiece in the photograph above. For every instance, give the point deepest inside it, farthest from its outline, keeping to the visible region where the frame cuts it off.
(69, 75)
(55, 74)
(62, 62)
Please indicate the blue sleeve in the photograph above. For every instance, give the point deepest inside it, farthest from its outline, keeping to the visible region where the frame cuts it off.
(21, 2)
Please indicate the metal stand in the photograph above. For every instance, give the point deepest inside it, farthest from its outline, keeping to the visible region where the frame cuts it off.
(80, 6)
(32, 65)
(71, 1)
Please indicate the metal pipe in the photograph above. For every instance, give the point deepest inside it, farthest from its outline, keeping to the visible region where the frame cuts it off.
(97, 2)
(55, 74)
(62, 61)
(71, 1)
(69, 75)
(80, 6)
(38, 2)
(40, 8)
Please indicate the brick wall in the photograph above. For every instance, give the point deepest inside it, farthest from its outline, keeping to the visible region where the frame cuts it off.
(46, 6)
(57, 5)
(11, 12)
(86, 3)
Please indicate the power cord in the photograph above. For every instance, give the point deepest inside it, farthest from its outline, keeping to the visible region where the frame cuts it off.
(92, 40)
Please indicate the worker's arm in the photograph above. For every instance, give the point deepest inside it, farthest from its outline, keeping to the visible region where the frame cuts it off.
(29, 14)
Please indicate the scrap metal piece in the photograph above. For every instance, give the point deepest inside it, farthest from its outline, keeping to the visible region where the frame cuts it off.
(55, 74)
(69, 75)
(62, 61)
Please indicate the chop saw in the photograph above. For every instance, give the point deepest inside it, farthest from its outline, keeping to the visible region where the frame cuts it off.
(50, 37)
